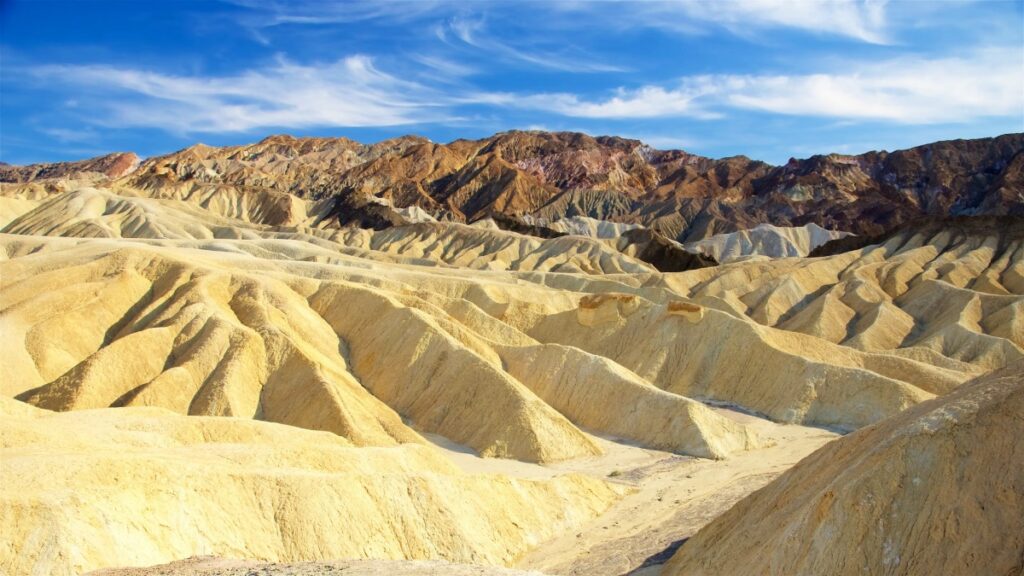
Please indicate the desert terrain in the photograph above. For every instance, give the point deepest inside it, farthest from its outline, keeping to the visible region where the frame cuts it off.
(535, 353)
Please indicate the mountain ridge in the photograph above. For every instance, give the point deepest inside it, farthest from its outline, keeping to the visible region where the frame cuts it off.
(683, 196)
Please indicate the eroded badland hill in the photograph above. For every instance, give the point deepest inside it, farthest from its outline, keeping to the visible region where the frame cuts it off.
(531, 353)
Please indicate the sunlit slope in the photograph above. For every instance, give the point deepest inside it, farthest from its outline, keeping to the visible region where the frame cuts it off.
(938, 489)
(208, 566)
(554, 175)
(280, 352)
(102, 213)
(701, 352)
(343, 348)
(141, 486)
(940, 295)
(376, 326)
(766, 240)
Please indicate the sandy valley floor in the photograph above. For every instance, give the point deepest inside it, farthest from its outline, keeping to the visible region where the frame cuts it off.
(674, 497)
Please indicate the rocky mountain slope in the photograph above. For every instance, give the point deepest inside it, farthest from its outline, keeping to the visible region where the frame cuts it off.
(110, 166)
(554, 175)
(280, 342)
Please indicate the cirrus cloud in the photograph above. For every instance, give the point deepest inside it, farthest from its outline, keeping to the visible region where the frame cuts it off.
(354, 92)
(351, 92)
(985, 83)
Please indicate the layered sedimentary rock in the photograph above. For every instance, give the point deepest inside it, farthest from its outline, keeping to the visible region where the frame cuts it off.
(361, 316)
(101, 213)
(694, 351)
(594, 227)
(851, 338)
(205, 328)
(938, 489)
(947, 296)
(561, 175)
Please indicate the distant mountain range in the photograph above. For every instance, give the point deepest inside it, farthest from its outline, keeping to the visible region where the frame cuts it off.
(553, 175)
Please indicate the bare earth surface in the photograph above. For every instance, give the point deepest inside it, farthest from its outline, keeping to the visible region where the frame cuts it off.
(199, 361)
(674, 497)
(210, 566)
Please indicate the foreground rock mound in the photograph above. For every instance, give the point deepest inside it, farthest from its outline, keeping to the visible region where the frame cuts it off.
(938, 489)
(142, 486)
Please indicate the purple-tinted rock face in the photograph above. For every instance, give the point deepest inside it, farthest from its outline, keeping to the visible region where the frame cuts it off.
(680, 195)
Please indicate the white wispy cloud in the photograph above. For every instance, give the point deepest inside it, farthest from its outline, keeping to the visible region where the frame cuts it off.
(859, 19)
(260, 17)
(71, 135)
(473, 33)
(269, 13)
(985, 83)
(906, 90)
(862, 20)
(644, 102)
(351, 92)
(450, 69)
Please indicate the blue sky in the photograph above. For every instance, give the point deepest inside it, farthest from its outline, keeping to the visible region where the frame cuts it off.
(769, 79)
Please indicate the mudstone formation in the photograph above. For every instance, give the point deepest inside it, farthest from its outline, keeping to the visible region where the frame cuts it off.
(531, 353)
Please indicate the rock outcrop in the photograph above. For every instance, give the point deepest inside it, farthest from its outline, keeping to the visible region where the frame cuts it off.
(110, 167)
(551, 176)
(938, 489)
(850, 339)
